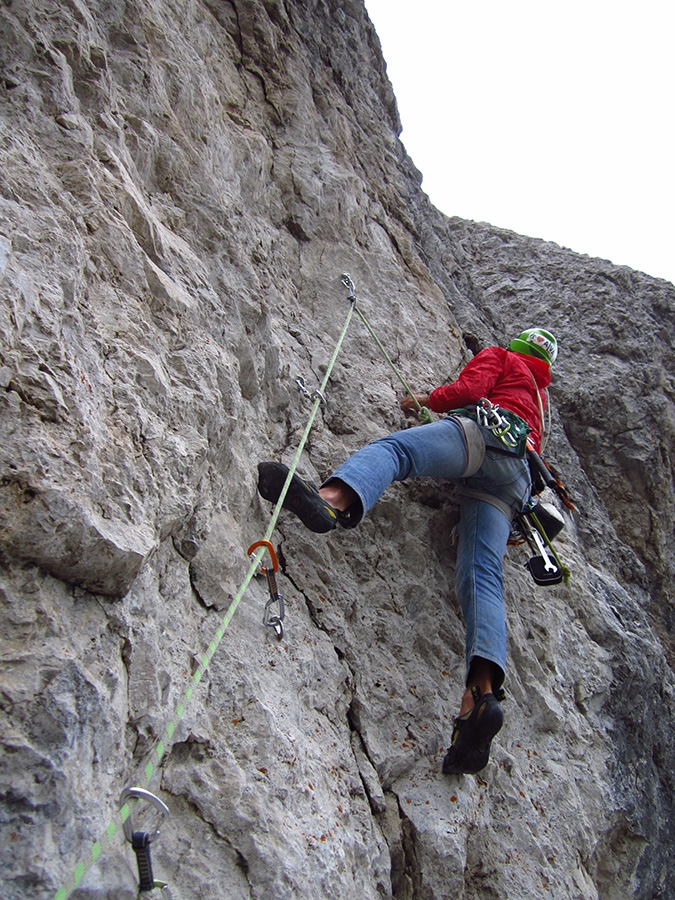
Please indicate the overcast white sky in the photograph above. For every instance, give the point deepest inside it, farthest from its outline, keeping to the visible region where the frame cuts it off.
(552, 119)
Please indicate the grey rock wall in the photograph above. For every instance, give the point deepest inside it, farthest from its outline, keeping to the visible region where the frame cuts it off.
(182, 185)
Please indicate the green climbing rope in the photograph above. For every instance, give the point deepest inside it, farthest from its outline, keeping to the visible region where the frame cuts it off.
(160, 748)
(423, 413)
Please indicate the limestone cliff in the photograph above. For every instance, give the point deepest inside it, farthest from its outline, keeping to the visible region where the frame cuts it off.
(182, 183)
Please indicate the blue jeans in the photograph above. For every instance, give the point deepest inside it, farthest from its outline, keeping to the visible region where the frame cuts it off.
(439, 450)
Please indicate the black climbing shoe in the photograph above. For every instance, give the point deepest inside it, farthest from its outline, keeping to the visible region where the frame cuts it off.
(472, 735)
(302, 499)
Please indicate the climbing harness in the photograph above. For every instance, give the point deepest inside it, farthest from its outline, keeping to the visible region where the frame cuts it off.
(507, 427)
(141, 841)
(269, 620)
(526, 527)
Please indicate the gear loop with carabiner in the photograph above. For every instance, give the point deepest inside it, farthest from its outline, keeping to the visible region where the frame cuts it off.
(489, 416)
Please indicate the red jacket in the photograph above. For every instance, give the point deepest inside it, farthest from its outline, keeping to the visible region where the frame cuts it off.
(506, 379)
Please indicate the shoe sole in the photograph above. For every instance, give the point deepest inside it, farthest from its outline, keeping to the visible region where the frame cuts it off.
(471, 753)
(300, 499)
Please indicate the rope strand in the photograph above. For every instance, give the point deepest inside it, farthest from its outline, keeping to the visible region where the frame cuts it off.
(159, 750)
(424, 414)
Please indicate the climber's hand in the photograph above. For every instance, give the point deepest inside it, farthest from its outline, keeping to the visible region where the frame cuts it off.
(410, 407)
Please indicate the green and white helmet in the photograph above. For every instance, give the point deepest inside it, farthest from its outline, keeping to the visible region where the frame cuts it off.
(536, 342)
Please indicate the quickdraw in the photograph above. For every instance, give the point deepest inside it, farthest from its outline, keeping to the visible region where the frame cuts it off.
(271, 621)
(423, 413)
(141, 840)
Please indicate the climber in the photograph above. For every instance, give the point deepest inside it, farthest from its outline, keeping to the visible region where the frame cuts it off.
(496, 403)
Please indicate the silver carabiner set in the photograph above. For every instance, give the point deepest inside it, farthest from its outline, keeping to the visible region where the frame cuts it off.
(141, 840)
(488, 414)
(304, 390)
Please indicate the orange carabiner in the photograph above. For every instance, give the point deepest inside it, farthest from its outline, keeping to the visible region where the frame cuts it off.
(268, 544)
(271, 621)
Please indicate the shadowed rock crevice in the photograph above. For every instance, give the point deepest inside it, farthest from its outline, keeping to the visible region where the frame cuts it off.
(399, 832)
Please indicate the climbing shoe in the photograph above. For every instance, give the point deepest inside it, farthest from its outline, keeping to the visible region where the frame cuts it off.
(301, 498)
(472, 735)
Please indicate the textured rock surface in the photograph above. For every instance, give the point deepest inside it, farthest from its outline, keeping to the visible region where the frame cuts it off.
(181, 185)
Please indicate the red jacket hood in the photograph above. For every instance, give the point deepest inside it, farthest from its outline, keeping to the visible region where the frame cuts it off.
(539, 368)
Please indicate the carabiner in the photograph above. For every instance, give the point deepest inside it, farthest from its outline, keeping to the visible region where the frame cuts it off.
(271, 621)
(346, 279)
(489, 415)
(314, 395)
(484, 413)
(141, 840)
(302, 387)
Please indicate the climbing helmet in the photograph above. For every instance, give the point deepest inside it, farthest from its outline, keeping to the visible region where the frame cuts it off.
(536, 342)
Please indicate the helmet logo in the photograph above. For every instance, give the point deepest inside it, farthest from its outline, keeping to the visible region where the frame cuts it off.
(542, 342)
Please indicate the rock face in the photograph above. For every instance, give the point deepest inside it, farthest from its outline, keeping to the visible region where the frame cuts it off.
(182, 184)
